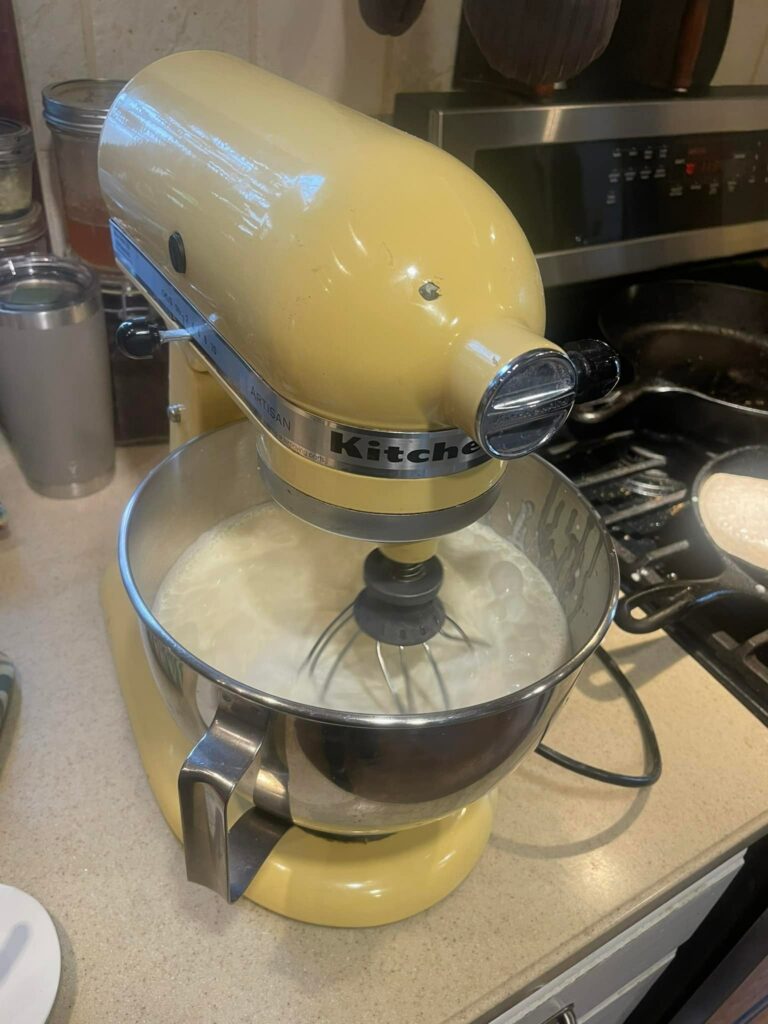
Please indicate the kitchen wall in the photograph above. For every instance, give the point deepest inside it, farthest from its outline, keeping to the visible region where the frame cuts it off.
(323, 44)
(745, 58)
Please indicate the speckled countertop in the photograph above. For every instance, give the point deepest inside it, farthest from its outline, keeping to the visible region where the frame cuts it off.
(568, 861)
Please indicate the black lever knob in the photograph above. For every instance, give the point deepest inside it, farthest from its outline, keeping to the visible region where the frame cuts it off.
(139, 338)
(598, 368)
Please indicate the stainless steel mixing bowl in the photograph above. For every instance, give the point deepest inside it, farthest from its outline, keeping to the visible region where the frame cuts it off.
(328, 770)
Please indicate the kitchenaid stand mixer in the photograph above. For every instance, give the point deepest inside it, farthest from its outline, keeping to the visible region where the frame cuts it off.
(375, 309)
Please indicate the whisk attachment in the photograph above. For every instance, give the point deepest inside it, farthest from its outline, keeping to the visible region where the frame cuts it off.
(400, 610)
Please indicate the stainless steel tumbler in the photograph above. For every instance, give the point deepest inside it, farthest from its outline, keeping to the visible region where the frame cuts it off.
(55, 391)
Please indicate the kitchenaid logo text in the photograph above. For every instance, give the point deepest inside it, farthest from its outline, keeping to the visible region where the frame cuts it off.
(372, 450)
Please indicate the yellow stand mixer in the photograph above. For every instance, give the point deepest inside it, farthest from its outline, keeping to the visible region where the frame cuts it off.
(375, 309)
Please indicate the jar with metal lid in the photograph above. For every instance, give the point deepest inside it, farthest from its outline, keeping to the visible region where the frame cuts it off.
(17, 153)
(24, 234)
(55, 395)
(75, 112)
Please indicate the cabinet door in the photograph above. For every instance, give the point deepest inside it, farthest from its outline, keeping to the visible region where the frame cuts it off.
(616, 1009)
(596, 979)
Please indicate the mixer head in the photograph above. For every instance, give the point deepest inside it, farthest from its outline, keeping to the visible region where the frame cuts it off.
(371, 304)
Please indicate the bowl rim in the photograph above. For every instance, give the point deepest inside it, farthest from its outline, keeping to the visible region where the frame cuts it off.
(336, 716)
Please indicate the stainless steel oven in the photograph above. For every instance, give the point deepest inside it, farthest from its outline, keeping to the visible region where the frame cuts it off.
(608, 189)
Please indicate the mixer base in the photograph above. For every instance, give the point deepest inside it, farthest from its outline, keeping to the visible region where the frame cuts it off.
(307, 876)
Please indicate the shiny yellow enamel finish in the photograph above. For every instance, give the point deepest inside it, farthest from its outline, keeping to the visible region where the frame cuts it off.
(410, 551)
(309, 231)
(204, 404)
(307, 877)
(356, 885)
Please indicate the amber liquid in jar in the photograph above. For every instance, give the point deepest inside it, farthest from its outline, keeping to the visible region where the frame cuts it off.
(91, 242)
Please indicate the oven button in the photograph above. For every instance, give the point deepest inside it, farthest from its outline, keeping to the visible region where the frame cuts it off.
(645, 173)
(632, 151)
(663, 152)
(660, 172)
(614, 176)
(675, 191)
(648, 154)
(616, 153)
(610, 199)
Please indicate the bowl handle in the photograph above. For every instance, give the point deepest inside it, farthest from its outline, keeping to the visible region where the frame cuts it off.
(222, 858)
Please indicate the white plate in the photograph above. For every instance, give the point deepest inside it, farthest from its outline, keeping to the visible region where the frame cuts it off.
(30, 958)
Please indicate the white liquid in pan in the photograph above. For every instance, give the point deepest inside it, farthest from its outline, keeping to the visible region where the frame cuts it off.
(251, 596)
(735, 512)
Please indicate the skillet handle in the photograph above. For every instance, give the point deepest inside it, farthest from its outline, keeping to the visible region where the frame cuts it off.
(689, 594)
(604, 408)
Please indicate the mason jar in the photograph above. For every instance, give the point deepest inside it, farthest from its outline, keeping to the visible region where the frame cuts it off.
(17, 154)
(24, 234)
(75, 112)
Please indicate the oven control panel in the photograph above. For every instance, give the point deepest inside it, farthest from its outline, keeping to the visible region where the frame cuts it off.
(568, 195)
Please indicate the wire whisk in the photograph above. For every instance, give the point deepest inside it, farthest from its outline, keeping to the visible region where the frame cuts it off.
(399, 611)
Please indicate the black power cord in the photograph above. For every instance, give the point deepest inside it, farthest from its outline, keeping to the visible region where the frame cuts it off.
(651, 744)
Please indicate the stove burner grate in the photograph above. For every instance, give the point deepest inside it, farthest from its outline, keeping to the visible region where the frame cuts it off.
(640, 482)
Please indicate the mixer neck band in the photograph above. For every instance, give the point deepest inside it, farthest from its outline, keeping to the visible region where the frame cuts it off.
(352, 449)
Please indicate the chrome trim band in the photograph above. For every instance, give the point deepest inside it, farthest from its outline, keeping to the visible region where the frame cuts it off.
(570, 266)
(379, 527)
(399, 455)
(464, 130)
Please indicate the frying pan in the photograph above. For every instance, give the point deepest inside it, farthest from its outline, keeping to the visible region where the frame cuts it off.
(390, 17)
(735, 577)
(539, 42)
(702, 340)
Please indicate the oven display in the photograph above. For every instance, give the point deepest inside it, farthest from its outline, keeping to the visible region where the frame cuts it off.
(568, 195)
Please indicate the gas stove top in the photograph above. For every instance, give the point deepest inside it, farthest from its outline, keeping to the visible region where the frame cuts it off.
(640, 482)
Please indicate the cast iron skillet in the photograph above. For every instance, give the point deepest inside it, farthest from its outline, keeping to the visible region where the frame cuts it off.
(735, 577)
(700, 339)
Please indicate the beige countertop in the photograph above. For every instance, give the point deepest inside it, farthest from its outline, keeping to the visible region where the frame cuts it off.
(569, 859)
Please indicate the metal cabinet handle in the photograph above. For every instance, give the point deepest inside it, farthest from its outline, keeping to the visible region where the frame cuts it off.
(7, 675)
(564, 1016)
(222, 858)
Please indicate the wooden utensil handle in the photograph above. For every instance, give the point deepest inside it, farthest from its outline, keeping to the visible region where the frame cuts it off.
(692, 26)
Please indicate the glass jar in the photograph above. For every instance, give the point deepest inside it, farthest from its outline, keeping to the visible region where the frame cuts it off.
(25, 234)
(17, 154)
(75, 112)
